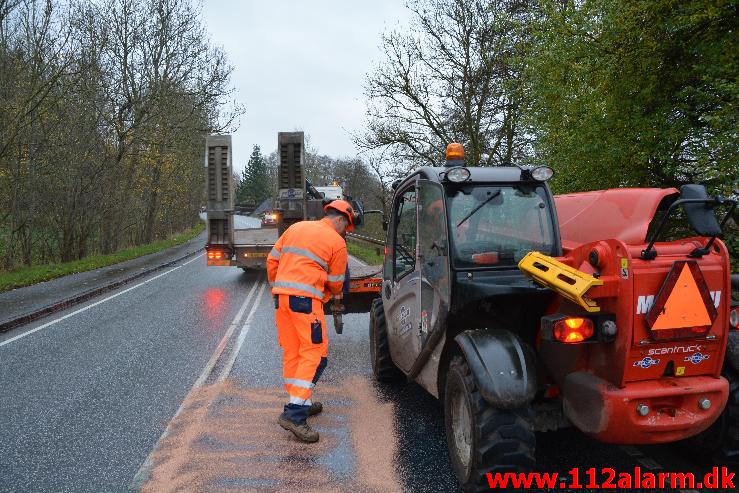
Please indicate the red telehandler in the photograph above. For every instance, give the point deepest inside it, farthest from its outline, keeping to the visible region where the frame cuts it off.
(524, 312)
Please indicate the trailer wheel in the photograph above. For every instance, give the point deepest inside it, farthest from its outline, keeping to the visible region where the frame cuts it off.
(719, 443)
(383, 367)
(482, 439)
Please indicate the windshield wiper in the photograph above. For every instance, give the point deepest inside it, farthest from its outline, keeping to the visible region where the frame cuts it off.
(497, 192)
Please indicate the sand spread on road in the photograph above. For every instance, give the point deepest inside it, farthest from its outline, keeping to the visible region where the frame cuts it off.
(226, 438)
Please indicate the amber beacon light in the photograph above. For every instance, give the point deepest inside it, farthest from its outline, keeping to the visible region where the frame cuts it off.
(455, 150)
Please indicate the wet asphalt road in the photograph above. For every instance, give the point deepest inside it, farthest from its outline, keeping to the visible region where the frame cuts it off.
(174, 385)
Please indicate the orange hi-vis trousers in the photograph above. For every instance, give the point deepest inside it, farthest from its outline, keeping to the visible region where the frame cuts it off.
(301, 332)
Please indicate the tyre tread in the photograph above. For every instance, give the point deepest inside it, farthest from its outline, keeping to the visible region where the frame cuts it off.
(383, 367)
(505, 439)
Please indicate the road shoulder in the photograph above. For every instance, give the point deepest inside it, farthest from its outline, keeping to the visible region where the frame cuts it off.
(23, 305)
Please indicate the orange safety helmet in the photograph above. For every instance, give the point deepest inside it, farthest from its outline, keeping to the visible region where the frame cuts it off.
(345, 208)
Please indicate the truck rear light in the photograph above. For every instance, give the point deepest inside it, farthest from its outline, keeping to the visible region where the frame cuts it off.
(734, 318)
(216, 254)
(572, 330)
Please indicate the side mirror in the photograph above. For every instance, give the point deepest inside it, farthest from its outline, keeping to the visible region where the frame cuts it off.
(358, 212)
(700, 215)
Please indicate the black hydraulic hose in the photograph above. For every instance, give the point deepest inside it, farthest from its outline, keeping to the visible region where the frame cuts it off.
(312, 190)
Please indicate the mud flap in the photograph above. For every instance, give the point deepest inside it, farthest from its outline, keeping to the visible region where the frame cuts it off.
(504, 367)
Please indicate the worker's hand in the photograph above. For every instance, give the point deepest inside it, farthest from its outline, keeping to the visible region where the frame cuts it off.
(338, 296)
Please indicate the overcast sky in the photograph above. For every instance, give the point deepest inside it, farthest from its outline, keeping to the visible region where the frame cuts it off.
(301, 65)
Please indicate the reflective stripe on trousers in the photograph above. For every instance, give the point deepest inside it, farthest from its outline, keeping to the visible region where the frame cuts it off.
(304, 349)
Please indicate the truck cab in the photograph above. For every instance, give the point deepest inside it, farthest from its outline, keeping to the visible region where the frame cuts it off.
(452, 262)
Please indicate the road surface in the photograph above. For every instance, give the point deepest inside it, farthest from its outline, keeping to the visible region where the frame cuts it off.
(173, 384)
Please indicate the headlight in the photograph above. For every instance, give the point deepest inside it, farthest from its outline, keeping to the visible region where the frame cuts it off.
(458, 174)
(542, 173)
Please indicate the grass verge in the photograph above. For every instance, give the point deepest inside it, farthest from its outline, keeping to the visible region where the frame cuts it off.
(25, 276)
(369, 254)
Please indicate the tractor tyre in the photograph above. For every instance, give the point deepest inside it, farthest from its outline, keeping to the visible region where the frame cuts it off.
(481, 438)
(383, 367)
(719, 443)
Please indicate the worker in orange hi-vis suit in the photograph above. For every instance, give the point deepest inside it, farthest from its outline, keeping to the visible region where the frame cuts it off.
(307, 265)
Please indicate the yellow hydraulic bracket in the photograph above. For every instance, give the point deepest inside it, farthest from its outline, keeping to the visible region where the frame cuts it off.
(553, 274)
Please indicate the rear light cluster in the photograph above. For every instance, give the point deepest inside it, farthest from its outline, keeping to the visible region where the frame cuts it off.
(573, 329)
(218, 255)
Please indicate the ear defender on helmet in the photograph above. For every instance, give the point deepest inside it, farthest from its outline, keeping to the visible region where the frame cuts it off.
(346, 209)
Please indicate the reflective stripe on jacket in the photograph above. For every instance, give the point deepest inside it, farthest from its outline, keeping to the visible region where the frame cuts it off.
(309, 259)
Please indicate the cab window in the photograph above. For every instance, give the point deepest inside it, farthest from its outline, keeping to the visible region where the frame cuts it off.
(404, 246)
(497, 226)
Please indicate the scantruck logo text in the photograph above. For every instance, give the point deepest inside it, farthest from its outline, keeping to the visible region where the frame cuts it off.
(644, 303)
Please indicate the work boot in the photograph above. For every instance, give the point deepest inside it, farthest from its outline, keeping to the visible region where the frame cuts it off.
(315, 408)
(302, 432)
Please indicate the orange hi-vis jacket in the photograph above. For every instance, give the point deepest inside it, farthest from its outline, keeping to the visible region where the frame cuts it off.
(309, 259)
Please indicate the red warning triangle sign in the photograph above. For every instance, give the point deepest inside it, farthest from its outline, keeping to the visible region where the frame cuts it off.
(683, 300)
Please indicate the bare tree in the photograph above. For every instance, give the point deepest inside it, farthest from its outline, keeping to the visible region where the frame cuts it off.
(104, 107)
(453, 77)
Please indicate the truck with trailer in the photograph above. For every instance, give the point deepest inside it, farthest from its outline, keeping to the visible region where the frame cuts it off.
(226, 245)
(297, 200)
(525, 312)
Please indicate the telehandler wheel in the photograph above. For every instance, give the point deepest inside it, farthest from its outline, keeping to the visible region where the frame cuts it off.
(719, 443)
(482, 439)
(382, 364)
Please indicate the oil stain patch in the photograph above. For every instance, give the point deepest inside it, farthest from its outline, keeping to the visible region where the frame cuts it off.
(226, 438)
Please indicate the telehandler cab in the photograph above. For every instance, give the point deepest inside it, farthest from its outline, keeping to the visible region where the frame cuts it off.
(526, 312)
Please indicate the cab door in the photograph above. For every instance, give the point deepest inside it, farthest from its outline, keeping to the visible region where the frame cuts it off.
(433, 259)
(401, 286)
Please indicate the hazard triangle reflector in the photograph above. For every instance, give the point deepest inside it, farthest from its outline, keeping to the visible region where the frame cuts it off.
(683, 307)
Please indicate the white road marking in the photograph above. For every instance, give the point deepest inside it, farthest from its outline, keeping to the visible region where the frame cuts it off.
(48, 324)
(227, 336)
(142, 475)
(242, 335)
